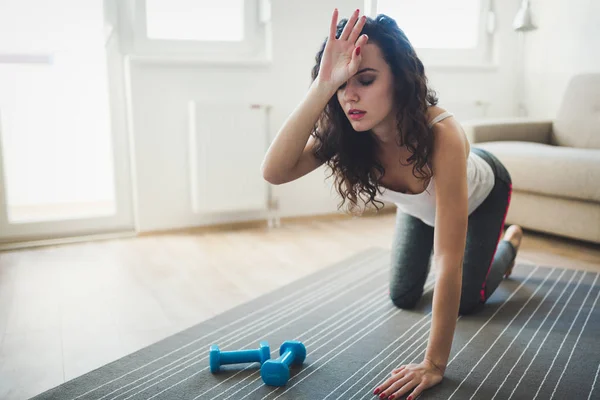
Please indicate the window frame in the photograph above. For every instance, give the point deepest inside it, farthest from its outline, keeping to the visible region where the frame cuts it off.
(480, 56)
(254, 46)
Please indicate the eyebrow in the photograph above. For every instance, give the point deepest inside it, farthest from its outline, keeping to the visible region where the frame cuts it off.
(365, 70)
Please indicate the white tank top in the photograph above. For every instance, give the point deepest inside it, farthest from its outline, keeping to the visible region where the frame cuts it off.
(480, 181)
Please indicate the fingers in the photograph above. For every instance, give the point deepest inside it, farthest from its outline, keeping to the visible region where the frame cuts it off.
(356, 54)
(349, 25)
(362, 40)
(357, 29)
(355, 61)
(384, 386)
(418, 390)
(395, 371)
(333, 26)
(400, 387)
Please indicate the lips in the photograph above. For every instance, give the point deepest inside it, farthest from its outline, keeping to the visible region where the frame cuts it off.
(356, 114)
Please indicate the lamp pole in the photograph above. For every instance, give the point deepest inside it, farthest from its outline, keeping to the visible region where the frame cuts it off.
(522, 23)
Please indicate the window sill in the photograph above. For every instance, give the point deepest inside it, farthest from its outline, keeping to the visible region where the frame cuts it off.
(174, 61)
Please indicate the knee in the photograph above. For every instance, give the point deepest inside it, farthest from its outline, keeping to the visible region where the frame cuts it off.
(405, 300)
(469, 305)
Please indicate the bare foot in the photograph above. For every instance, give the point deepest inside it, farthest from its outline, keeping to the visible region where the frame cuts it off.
(514, 234)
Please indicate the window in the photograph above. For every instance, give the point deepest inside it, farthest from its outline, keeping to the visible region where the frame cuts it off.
(203, 20)
(55, 126)
(200, 29)
(443, 32)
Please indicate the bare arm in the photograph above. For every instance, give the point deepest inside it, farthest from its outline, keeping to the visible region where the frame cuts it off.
(449, 161)
(291, 155)
(450, 165)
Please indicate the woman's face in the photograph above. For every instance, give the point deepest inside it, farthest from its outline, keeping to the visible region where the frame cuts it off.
(367, 98)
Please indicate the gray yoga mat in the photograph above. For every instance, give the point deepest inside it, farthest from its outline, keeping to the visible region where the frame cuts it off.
(536, 338)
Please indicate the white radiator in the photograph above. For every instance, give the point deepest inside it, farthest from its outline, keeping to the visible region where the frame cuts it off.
(227, 143)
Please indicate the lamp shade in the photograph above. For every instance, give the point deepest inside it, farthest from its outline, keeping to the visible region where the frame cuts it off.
(523, 21)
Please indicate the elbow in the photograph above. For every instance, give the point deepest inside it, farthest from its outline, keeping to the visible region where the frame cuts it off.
(271, 176)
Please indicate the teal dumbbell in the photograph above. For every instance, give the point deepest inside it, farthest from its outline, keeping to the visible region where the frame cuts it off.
(219, 358)
(277, 372)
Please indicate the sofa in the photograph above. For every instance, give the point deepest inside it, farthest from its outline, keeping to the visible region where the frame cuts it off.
(554, 164)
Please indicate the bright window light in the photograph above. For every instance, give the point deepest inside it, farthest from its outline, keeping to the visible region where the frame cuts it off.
(436, 24)
(199, 20)
(55, 125)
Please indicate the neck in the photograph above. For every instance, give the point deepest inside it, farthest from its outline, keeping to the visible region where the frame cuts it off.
(386, 136)
(385, 133)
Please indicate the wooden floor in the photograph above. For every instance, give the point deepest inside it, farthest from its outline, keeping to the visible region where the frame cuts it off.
(68, 309)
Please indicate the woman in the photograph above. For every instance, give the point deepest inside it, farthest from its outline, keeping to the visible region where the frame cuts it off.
(371, 118)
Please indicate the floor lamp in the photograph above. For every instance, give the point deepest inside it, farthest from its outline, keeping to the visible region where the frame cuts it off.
(521, 24)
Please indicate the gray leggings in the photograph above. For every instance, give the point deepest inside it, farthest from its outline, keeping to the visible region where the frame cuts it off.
(486, 257)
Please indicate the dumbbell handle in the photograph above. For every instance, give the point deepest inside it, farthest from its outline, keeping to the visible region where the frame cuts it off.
(286, 358)
(239, 356)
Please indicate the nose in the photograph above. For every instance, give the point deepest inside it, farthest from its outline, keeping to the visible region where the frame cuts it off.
(351, 92)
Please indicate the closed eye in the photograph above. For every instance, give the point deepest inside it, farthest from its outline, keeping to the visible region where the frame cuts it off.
(364, 82)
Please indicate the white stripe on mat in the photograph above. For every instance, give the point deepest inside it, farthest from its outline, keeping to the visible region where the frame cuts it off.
(528, 277)
(337, 353)
(502, 333)
(578, 337)
(543, 341)
(493, 315)
(563, 342)
(192, 357)
(389, 366)
(379, 306)
(283, 316)
(368, 395)
(594, 383)
(334, 391)
(374, 301)
(420, 356)
(319, 336)
(352, 306)
(364, 393)
(428, 284)
(556, 280)
(396, 312)
(362, 259)
(234, 337)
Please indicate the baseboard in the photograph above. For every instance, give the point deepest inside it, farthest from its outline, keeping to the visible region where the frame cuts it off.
(258, 224)
(10, 246)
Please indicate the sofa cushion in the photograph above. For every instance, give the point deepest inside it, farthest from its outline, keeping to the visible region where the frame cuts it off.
(578, 121)
(551, 170)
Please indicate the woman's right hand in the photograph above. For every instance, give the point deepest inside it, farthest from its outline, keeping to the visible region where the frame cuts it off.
(341, 56)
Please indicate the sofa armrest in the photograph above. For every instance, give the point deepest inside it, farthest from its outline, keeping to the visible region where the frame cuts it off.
(514, 129)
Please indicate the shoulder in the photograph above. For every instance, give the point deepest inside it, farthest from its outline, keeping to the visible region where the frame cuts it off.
(448, 133)
(448, 122)
(434, 111)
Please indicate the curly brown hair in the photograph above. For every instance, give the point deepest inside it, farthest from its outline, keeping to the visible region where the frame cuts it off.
(352, 158)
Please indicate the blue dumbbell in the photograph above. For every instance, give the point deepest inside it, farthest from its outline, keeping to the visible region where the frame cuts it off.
(277, 372)
(218, 357)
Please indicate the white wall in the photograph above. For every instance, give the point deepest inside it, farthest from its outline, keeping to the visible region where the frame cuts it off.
(566, 42)
(160, 93)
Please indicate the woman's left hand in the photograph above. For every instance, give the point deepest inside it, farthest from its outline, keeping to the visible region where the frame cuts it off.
(419, 376)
